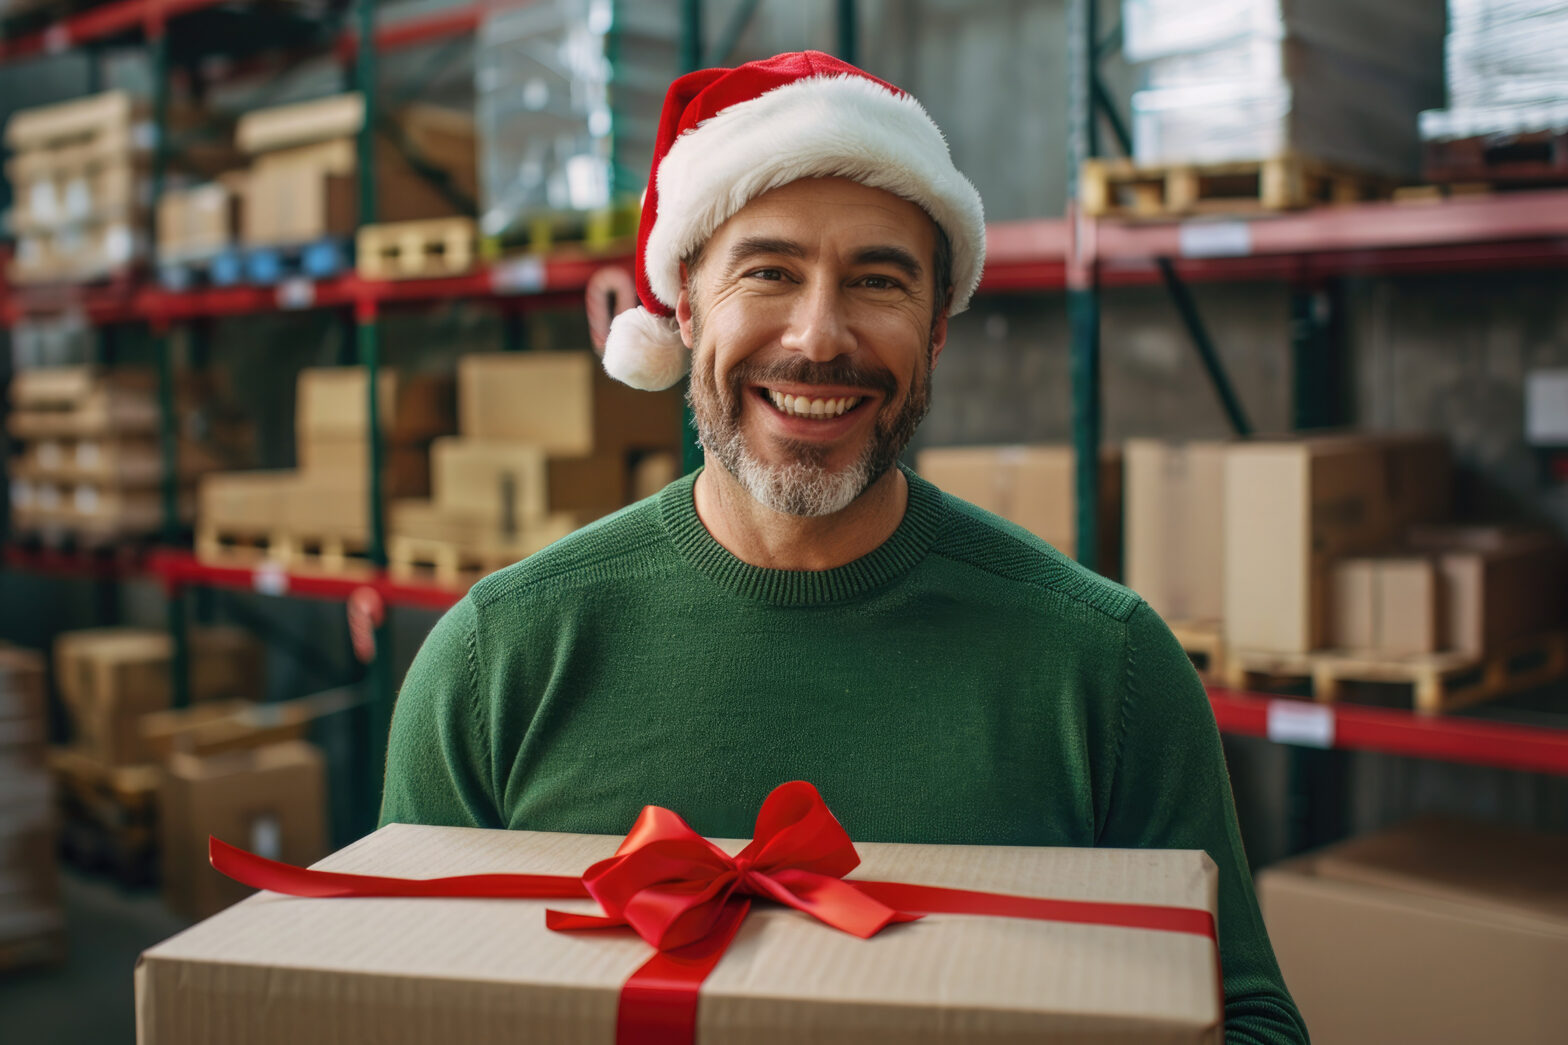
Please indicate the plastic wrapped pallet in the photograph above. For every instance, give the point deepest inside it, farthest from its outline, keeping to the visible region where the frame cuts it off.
(1505, 70)
(569, 93)
(1252, 79)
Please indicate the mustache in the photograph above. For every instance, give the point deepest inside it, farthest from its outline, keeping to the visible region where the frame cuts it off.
(838, 371)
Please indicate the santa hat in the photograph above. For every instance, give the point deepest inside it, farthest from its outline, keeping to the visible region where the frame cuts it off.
(727, 136)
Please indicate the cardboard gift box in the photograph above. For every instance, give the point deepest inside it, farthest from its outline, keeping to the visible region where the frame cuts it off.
(1176, 527)
(276, 968)
(1438, 931)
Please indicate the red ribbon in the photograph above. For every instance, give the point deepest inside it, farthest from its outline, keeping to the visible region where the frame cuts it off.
(687, 897)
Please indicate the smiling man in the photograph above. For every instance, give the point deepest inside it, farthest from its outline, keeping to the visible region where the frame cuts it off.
(803, 607)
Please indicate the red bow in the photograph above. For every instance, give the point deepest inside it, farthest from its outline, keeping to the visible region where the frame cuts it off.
(671, 885)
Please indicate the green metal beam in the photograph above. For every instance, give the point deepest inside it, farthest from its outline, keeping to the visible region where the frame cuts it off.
(730, 35)
(365, 83)
(1083, 294)
(691, 60)
(848, 37)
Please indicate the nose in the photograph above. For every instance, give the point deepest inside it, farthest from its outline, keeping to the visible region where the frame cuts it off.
(819, 327)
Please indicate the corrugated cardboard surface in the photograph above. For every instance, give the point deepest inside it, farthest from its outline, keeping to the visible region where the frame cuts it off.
(561, 402)
(1500, 584)
(392, 971)
(513, 483)
(271, 800)
(1391, 605)
(1437, 932)
(1176, 527)
(1032, 486)
(331, 403)
(1293, 507)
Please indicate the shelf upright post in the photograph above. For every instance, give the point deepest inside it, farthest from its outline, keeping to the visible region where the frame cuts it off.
(378, 717)
(691, 61)
(1083, 281)
(168, 418)
(848, 41)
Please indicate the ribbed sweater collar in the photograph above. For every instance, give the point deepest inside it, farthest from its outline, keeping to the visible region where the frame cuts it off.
(895, 557)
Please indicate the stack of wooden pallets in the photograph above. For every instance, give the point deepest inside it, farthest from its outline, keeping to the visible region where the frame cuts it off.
(89, 467)
(79, 178)
(32, 930)
(317, 517)
(548, 442)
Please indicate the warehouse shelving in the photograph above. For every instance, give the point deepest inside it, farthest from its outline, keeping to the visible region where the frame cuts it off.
(1075, 254)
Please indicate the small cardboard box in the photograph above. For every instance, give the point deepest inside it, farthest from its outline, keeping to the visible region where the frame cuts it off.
(247, 503)
(196, 222)
(404, 970)
(563, 403)
(513, 483)
(1436, 932)
(110, 678)
(1176, 527)
(1387, 605)
(271, 800)
(1293, 507)
(405, 467)
(1033, 486)
(652, 472)
(332, 404)
(1499, 583)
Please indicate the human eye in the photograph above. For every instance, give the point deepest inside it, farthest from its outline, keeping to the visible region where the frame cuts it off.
(876, 282)
(771, 275)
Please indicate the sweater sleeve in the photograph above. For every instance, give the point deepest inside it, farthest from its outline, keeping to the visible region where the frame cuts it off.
(438, 754)
(1171, 790)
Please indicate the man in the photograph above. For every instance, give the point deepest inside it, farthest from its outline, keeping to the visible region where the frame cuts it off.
(802, 608)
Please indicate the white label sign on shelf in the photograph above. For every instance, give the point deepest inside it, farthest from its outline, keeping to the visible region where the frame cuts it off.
(1306, 725)
(518, 276)
(296, 293)
(270, 579)
(1215, 239)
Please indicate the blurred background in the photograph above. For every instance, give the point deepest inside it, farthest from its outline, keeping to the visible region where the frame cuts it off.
(1274, 330)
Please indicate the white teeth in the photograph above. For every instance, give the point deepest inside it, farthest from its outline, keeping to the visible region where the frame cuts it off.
(800, 406)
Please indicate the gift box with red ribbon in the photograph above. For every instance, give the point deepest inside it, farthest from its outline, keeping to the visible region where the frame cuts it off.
(432, 934)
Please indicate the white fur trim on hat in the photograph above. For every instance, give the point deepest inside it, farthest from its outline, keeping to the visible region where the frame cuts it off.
(645, 351)
(826, 126)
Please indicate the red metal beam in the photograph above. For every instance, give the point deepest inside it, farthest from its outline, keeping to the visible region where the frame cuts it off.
(99, 23)
(181, 569)
(1452, 738)
(111, 564)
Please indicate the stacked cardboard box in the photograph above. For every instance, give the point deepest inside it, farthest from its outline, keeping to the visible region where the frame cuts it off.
(329, 494)
(89, 463)
(79, 179)
(31, 925)
(546, 443)
(1438, 932)
(1176, 527)
(1294, 507)
(269, 799)
(301, 186)
(197, 222)
(1032, 486)
(110, 679)
(1505, 72)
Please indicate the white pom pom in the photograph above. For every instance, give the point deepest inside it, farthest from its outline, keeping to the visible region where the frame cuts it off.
(645, 350)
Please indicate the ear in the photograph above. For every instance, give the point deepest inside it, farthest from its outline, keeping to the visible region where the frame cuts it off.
(939, 336)
(683, 308)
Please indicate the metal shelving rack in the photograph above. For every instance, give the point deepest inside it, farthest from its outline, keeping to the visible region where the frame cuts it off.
(1077, 255)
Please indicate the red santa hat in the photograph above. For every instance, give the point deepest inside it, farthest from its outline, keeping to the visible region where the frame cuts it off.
(726, 136)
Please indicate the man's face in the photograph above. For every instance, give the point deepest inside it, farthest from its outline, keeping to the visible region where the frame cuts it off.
(810, 319)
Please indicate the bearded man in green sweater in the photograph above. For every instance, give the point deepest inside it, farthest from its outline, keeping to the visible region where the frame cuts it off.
(802, 607)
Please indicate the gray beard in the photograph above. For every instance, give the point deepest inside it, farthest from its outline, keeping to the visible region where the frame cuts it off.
(802, 487)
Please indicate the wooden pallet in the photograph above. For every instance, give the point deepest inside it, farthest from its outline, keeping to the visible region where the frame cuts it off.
(1204, 642)
(444, 562)
(596, 230)
(1122, 188)
(1536, 158)
(108, 815)
(1437, 682)
(333, 555)
(418, 249)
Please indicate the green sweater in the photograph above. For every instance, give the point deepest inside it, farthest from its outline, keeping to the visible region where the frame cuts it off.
(964, 683)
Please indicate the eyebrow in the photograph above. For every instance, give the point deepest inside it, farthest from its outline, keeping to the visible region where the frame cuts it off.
(898, 257)
(757, 246)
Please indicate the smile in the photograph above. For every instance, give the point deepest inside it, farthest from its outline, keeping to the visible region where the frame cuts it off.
(803, 406)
